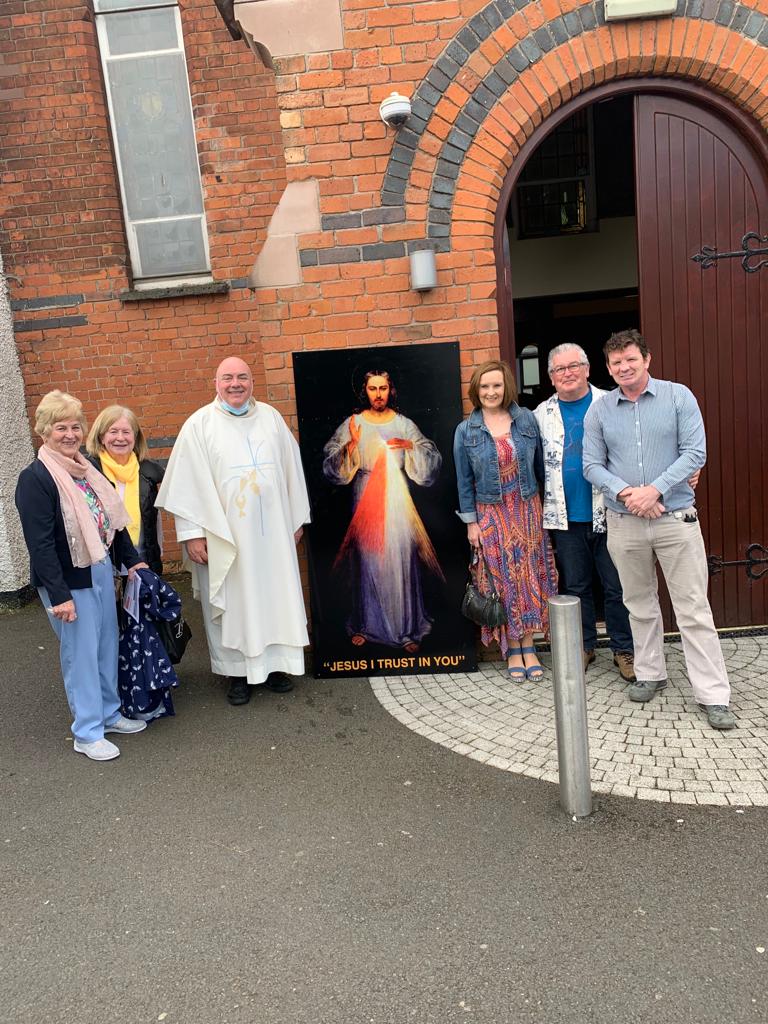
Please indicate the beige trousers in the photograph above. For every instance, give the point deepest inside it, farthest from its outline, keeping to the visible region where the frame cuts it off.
(636, 545)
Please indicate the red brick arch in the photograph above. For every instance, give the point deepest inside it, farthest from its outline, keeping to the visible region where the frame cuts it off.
(557, 79)
(481, 84)
(722, 62)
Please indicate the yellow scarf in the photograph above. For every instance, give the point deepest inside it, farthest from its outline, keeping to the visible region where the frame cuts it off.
(128, 475)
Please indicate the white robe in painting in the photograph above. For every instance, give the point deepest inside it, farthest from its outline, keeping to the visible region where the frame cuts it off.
(386, 538)
(238, 482)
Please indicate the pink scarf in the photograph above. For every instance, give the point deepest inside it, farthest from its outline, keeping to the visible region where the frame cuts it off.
(85, 544)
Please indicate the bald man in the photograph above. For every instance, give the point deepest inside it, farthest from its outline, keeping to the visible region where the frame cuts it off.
(235, 486)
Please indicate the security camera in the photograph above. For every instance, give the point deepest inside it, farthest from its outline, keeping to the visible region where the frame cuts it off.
(395, 110)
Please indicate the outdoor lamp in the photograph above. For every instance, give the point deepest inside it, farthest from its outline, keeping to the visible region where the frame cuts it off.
(423, 270)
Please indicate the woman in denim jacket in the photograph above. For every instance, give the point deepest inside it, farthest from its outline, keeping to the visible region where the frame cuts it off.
(499, 467)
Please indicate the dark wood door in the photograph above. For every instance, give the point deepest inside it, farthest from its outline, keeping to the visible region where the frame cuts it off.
(700, 183)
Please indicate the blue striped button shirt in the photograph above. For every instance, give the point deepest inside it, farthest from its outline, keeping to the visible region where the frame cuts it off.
(658, 439)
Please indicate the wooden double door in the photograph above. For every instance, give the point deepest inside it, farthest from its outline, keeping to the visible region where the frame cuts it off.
(702, 217)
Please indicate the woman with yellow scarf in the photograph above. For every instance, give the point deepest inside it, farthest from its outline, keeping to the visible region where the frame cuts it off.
(117, 447)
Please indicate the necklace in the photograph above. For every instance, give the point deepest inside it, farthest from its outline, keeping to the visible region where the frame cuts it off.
(495, 423)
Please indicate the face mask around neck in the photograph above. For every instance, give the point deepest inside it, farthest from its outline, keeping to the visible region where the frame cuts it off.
(236, 412)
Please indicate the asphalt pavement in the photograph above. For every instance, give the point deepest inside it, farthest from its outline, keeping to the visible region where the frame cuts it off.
(307, 858)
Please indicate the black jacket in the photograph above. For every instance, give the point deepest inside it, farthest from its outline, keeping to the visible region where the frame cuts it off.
(37, 500)
(151, 475)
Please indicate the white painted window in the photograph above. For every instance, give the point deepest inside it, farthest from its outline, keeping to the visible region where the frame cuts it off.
(153, 131)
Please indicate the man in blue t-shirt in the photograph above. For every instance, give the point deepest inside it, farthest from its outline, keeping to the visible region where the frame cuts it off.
(574, 511)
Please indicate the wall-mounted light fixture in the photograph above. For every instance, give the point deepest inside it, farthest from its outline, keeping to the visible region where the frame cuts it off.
(423, 270)
(395, 110)
(618, 10)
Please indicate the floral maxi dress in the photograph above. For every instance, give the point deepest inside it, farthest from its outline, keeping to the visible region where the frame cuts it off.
(518, 554)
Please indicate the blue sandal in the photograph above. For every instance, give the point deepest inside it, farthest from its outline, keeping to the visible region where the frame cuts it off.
(535, 672)
(517, 673)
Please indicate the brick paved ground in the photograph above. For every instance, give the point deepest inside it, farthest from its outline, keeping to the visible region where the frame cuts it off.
(664, 750)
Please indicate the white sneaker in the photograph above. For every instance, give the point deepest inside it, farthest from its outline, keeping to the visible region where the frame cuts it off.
(149, 716)
(99, 750)
(125, 726)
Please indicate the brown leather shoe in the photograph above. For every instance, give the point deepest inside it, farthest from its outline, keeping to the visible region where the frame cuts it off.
(589, 657)
(625, 662)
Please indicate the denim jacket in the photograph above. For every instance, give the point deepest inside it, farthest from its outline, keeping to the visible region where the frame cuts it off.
(477, 464)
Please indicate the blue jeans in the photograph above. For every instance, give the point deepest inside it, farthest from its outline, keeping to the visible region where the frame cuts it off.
(578, 552)
(88, 654)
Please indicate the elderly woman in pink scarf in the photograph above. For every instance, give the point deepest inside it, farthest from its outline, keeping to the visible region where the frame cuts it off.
(73, 521)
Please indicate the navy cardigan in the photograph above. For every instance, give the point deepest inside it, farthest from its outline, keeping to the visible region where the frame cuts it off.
(37, 500)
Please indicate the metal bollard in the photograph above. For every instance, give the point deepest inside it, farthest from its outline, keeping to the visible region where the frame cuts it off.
(570, 706)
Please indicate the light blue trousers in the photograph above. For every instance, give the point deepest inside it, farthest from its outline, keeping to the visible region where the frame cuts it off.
(88, 653)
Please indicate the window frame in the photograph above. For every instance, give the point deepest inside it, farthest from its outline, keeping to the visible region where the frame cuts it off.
(140, 279)
(587, 185)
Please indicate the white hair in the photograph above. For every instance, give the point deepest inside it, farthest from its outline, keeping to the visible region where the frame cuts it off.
(567, 346)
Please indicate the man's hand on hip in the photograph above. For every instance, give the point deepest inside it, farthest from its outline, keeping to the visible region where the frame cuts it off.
(197, 550)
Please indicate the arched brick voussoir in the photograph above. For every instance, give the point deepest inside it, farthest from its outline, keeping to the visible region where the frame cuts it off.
(479, 175)
(478, 209)
(494, 148)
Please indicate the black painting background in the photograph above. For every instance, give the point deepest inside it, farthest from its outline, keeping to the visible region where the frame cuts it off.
(428, 384)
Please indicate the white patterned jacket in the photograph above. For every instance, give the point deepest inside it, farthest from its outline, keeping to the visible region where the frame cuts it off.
(550, 423)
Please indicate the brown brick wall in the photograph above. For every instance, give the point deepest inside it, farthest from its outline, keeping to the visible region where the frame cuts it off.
(61, 228)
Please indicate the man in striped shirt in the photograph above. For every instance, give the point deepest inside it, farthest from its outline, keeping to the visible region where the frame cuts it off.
(642, 443)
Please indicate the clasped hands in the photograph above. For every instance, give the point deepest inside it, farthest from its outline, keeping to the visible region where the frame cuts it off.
(642, 501)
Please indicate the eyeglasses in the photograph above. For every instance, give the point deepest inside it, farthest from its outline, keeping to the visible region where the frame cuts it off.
(558, 371)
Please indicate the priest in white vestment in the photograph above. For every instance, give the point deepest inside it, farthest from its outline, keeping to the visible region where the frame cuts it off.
(235, 486)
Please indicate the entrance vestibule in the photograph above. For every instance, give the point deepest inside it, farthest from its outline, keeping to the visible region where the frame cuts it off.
(571, 228)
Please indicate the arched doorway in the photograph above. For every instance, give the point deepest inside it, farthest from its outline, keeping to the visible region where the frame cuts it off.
(700, 171)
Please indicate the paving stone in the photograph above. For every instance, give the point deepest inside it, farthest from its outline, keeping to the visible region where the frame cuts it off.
(671, 785)
(684, 798)
(619, 790)
(686, 762)
(653, 794)
(717, 799)
(697, 786)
